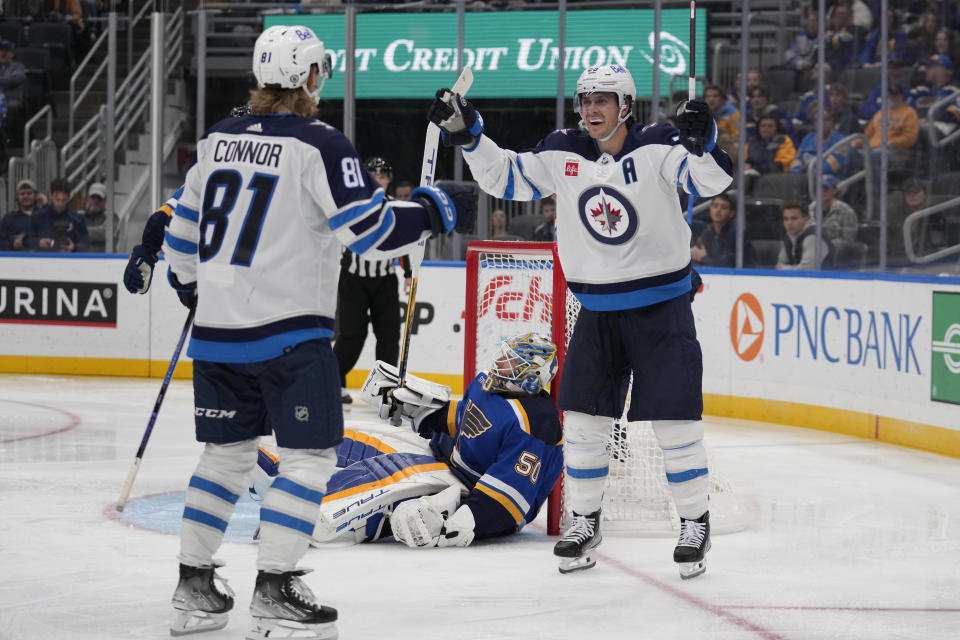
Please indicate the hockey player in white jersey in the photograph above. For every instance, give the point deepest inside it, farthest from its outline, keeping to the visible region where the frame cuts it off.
(254, 243)
(625, 250)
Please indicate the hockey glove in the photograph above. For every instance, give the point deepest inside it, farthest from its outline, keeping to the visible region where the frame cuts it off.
(186, 292)
(139, 270)
(433, 521)
(698, 132)
(417, 404)
(450, 207)
(460, 123)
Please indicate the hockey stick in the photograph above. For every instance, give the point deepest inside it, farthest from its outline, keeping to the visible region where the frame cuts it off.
(428, 172)
(128, 483)
(692, 82)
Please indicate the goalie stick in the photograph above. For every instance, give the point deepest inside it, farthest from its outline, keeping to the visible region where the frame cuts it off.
(131, 476)
(427, 177)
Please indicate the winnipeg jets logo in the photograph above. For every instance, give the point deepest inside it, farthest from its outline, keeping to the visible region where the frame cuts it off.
(607, 215)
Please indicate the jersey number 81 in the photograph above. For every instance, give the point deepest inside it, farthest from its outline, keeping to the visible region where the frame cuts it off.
(219, 198)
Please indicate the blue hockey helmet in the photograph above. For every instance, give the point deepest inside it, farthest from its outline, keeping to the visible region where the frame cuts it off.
(524, 364)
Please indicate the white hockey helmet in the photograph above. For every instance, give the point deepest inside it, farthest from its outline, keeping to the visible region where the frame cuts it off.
(283, 55)
(524, 364)
(608, 78)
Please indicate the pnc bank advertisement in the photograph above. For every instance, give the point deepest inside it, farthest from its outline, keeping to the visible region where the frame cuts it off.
(512, 54)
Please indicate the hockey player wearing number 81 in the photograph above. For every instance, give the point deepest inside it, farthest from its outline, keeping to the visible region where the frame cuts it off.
(257, 234)
(626, 257)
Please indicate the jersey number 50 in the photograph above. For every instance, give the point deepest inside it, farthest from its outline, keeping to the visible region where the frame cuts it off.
(219, 198)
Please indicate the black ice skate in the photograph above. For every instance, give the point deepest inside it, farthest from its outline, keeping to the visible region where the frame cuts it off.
(284, 607)
(575, 548)
(198, 603)
(691, 550)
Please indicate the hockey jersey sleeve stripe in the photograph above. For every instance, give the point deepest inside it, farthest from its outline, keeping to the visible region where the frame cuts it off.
(452, 419)
(502, 500)
(255, 350)
(284, 520)
(499, 485)
(180, 245)
(456, 460)
(355, 211)
(387, 223)
(297, 490)
(214, 489)
(508, 191)
(536, 192)
(202, 517)
(522, 418)
(187, 213)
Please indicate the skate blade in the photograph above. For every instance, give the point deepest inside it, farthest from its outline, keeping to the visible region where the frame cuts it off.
(569, 565)
(274, 629)
(188, 622)
(692, 569)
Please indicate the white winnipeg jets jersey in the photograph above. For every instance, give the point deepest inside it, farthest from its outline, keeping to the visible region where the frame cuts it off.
(623, 240)
(259, 227)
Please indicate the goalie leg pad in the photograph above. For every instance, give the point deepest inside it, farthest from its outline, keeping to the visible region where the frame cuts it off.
(291, 506)
(587, 459)
(215, 486)
(685, 463)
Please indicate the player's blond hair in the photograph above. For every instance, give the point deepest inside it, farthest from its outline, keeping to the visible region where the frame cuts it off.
(274, 100)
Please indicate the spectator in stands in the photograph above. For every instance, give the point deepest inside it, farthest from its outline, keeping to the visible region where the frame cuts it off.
(754, 79)
(799, 250)
(929, 233)
(840, 221)
(801, 121)
(95, 217)
(13, 80)
(547, 231)
(761, 106)
(924, 33)
(835, 162)
(772, 151)
(802, 52)
(938, 74)
(716, 245)
(844, 116)
(725, 112)
(871, 104)
(402, 190)
(844, 40)
(903, 125)
(57, 227)
(15, 225)
(946, 44)
(899, 46)
(498, 226)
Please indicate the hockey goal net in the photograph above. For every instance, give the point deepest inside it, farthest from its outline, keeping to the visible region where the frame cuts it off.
(516, 287)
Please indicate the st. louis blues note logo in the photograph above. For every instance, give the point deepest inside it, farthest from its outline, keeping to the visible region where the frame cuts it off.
(608, 215)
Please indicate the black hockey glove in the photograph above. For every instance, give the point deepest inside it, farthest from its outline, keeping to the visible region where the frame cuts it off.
(450, 207)
(139, 270)
(186, 292)
(695, 283)
(460, 123)
(695, 123)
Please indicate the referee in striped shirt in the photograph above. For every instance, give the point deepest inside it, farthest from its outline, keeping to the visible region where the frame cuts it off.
(367, 293)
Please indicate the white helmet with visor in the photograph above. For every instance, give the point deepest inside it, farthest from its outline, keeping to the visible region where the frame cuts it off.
(608, 78)
(283, 56)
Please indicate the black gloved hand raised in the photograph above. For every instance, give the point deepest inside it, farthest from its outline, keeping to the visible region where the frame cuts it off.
(696, 126)
(460, 123)
(139, 270)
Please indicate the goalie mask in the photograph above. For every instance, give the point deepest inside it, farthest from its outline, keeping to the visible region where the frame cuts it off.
(283, 56)
(609, 78)
(524, 364)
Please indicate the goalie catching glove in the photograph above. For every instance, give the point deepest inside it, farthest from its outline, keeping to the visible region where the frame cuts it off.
(433, 521)
(416, 400)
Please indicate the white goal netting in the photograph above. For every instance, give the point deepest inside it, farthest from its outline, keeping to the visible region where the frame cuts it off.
(512, 287)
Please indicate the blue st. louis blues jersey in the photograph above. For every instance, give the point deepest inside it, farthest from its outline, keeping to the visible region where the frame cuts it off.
(259, 227)
(622, 237)
(507, 449)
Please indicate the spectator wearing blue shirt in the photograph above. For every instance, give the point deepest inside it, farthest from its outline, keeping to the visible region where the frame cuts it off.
(899, 46)
(57, 227)
(833, 163)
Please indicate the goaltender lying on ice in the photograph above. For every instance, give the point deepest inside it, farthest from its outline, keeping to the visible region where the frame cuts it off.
(480, 467)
